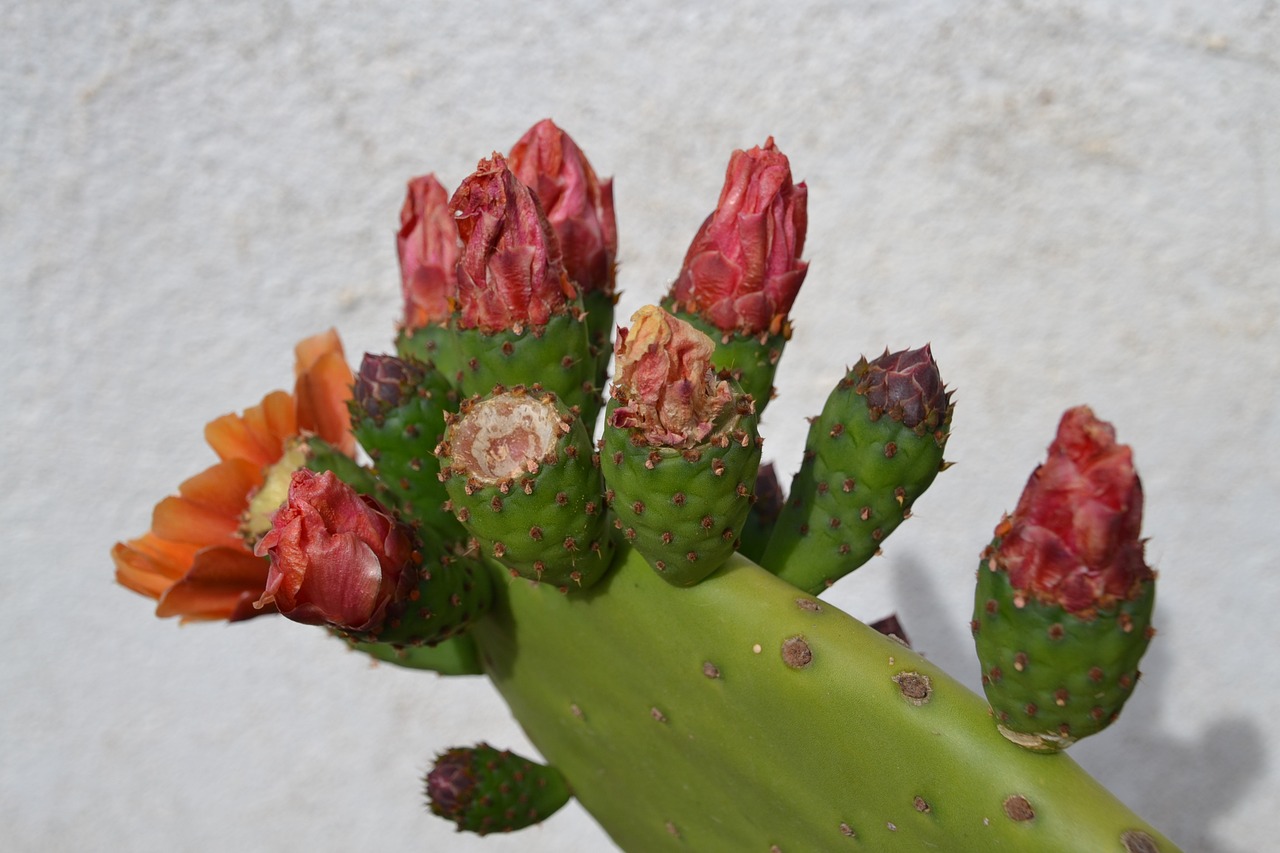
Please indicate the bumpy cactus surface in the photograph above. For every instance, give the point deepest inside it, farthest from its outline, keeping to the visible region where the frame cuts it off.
(645, 601)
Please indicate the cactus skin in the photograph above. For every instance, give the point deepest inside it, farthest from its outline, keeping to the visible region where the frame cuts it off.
(397, 414)
(457, 655)
(484, 790)
(542, 515)
(867, 459)
(682, 726)
(558, 354)
(763, 515)
(703, 494)
(1050, 676)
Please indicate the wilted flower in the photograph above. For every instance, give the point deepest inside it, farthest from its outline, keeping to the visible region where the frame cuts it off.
(578, 205)
(665, 385)
(511, 275)
(1074, 538)
(427, 244)
(337, 557)
(743, 269)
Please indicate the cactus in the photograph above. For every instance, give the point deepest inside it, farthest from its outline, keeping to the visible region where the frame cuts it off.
(716, 703)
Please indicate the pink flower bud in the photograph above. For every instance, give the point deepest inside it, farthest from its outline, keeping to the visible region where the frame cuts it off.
(578, 205)
(337, 557)
(427, 244)
(511, 275)
(1074, 538)
(665, 385)
(743, 269)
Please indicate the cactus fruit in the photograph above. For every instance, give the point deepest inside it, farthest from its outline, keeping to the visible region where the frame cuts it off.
(673, 430)
(519, 315)
(1062, 613)
(427, 246)
(742, 271)
(484, 790)
(397, 413)
(523, 478)
(874, 449)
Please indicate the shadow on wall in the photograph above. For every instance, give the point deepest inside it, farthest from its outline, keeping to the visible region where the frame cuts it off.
(1184, 787)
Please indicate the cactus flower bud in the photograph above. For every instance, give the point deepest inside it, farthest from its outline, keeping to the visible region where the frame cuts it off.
(1074, 538)
(337, 557)
(511, 274)
(665, 385)
(427, 244)
(907, 386)
(578, 205)
(383, 383)
(743, 269)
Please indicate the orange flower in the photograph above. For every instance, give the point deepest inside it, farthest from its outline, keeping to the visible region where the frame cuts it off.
(197, 560)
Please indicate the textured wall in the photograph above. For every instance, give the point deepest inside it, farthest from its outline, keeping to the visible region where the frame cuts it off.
(1074, 202)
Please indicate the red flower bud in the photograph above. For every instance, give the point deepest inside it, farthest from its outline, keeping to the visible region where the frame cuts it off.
(743, 269)
(578, 205)
(511, 274)
(427, 244)
(665, 385)
(1074, 538)
(337, 557)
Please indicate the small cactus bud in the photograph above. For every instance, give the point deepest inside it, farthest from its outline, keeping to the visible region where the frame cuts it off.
(383, 383)
(511, 275)
(484, 790)
(907, 386)
(743, 269)
(337, 557)
(578, 205)
(427, 244)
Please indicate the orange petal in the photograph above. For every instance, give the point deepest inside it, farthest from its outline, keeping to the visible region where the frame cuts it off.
(322, 393)
(149, 565)
(180, 520)
(222, 583)
(233, 437)
(311, 350)
(280, 414)
(223, 488)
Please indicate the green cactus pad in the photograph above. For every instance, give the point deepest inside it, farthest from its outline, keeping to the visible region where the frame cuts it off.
(683, 509)
(452, 591)
(484, 790)
(740, 715)
(455, 656)
(1053, 677)
(524, 480)
(398, 415)
(864, 466)
(557, 355)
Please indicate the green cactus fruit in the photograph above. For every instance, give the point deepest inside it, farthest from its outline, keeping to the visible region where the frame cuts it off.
(484, 790)
(680, 449)
(1062, 612)
(872, 452)
(743, 715)
(450, 592)
(558, 353)
(397, 414)
(457, 655)
(524, 479)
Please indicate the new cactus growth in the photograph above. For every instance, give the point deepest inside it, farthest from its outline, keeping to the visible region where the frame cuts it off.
(1063, 607)
(484, 790)
(874, 449)
(523, 478)
(711, 704)
(674, 429)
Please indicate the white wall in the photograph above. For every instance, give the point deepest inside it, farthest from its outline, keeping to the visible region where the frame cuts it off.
(1074, 202)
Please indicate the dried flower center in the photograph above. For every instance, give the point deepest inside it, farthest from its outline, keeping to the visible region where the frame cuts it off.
(273, 492)
(505, 436)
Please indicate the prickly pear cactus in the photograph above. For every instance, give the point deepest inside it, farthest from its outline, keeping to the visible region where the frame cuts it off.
(687, 697)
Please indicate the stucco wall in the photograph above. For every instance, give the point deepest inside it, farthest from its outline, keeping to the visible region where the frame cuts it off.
(1074, 202)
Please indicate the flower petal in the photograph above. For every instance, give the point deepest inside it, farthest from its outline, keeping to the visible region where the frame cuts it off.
(222, 583)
